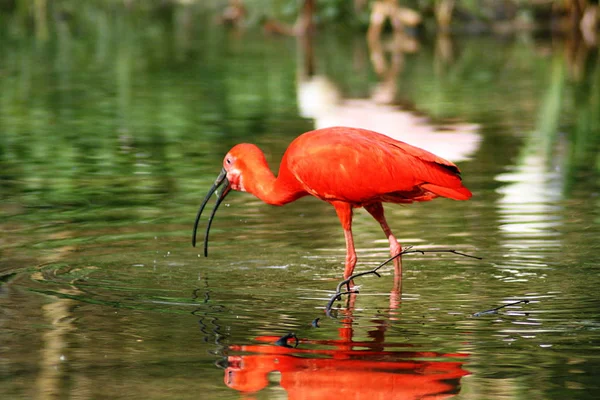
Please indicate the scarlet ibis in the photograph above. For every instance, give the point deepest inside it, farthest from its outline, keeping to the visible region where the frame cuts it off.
(346, 167)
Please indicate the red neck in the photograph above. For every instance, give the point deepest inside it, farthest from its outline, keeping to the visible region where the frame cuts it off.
(260, 181)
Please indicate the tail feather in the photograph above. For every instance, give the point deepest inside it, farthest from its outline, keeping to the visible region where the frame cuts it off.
(457, 193)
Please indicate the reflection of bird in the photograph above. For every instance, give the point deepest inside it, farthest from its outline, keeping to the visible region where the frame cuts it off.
(358, 369)
(346, 167)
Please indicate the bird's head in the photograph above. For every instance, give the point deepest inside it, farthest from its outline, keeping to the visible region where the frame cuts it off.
(237, 163)
(240, 161)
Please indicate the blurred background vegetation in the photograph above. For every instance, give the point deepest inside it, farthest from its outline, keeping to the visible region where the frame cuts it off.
(458, 15)
(109, 82)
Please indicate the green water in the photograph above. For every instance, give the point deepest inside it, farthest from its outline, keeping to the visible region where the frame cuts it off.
(113, 129)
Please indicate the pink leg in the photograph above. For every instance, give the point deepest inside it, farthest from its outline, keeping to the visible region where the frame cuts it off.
(376, 210)
(344, 213)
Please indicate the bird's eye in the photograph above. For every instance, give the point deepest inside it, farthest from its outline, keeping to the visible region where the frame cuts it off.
(228, 161)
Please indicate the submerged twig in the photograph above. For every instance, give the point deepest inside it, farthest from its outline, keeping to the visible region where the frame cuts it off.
(336, 296)
(338, 291)
(282, 341)
(495, 310)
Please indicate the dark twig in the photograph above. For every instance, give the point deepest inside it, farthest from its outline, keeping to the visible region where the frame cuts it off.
(282, 341)
(338, 291)
(495, 310)
(336, 296)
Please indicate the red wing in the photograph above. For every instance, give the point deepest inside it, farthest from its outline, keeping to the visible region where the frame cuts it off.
(408, 149)
(355, 165)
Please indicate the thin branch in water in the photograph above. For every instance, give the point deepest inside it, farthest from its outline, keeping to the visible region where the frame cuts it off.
(495, 310)
(338, 291)
(336, 296)
(282, 341)
(444, 251)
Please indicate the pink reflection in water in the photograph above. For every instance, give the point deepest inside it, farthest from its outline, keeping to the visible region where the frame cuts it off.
(348, 370)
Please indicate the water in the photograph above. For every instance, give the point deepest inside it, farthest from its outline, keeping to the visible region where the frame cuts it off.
(115, 127)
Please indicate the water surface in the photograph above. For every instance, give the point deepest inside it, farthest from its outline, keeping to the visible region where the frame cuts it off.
(112, 132)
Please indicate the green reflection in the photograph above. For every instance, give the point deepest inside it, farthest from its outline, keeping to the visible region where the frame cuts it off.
(113, 125)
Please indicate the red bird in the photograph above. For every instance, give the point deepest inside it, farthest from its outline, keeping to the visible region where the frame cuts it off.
(346, 167)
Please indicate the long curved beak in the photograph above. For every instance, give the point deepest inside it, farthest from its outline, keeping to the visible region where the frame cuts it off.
(222, 178)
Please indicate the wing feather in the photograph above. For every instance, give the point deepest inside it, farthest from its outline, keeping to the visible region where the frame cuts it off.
(359, 166)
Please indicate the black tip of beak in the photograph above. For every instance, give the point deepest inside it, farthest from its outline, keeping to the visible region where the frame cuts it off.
(222, 178)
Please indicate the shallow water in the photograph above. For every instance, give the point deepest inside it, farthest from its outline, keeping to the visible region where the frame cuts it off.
(112, 132)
